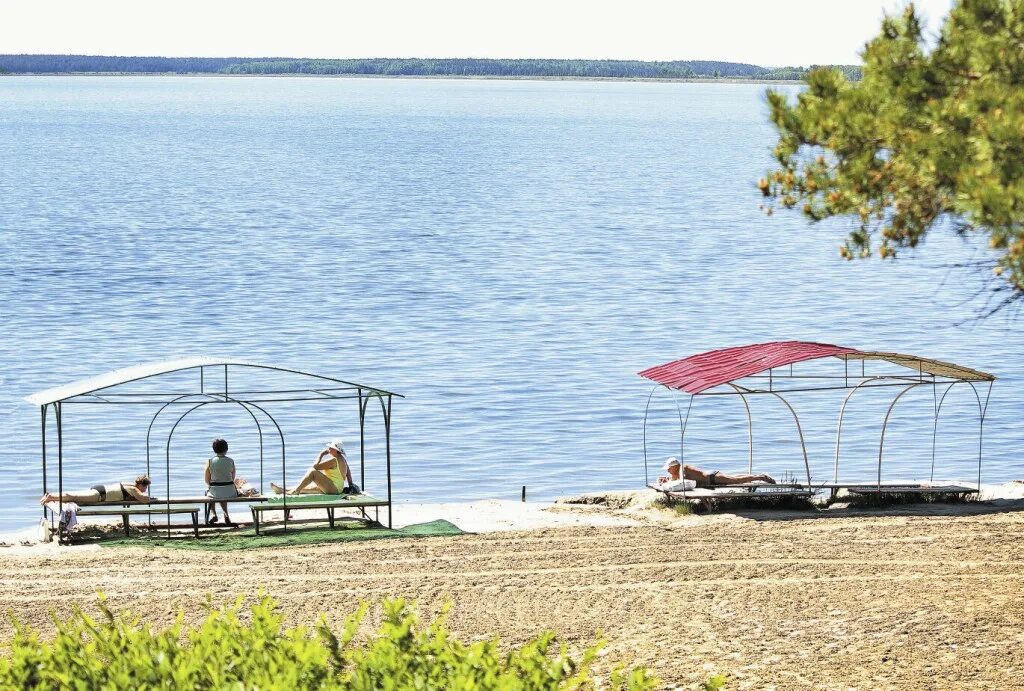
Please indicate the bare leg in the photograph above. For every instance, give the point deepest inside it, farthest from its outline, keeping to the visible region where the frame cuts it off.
(224, 508)
(312, 489)
(315, 477)
(89, 496)
(723, 479)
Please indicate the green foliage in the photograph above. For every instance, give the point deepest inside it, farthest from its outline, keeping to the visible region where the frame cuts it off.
(229, 650)
(928, 133)
(715, 683)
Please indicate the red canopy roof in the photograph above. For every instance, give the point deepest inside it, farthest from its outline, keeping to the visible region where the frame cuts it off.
(699, 372)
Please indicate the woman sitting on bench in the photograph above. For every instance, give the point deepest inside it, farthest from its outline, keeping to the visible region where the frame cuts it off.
(708, 480)
(110, 493)
(327, 476)
(219, 476)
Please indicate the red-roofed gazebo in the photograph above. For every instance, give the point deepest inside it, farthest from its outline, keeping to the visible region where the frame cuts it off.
(767, 369)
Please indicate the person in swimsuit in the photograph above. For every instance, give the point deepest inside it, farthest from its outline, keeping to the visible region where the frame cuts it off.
(328, 475)
(220, 480)
(108, 493)
(708, 480)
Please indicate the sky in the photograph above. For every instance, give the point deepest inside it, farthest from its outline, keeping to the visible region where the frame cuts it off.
(783, 32)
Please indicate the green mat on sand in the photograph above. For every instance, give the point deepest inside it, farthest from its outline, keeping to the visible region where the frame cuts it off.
(247, 538)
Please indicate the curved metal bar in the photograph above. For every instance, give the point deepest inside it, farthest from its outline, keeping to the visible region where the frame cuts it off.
(982, 411)
(259, 428)
(800, 431)
(387, 452)
(168, 457)
(839, 429)
(885, 423)
(244, 405)
(685, 423)
(646, 410)
(42, 410)
(682, 424)
(60, 457)
(386, 413)
(284, 466)
(935, 427)
(750, 430)
(363, 404)
(149, 429)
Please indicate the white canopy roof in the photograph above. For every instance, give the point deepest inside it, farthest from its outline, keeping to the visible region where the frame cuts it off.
(152, 369)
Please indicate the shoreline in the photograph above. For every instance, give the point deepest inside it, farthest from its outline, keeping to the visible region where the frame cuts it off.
(455, 77)
(613, 508)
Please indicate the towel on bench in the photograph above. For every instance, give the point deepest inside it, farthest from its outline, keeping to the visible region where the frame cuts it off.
(680, 485)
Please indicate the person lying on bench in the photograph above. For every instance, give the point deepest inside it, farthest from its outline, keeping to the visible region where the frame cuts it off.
(98, 494)
(707, 480)
(328, 475)
(220, 480)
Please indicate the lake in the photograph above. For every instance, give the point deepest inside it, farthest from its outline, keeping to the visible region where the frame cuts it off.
(506, 254)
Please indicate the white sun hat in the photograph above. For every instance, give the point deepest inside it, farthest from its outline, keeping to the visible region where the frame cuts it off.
(336, 444)
(672, 460)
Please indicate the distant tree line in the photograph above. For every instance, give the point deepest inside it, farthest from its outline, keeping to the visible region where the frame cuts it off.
(444, 67)
(635, 69)
(44, 64)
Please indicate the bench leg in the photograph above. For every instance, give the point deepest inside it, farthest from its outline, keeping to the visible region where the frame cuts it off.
(195, 523)
(256, 521)
(330, 517)
(124, 519)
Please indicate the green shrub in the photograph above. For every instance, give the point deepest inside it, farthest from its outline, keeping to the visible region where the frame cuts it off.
(236, 649)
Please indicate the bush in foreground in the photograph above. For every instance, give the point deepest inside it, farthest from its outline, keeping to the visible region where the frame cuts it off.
(251, 649)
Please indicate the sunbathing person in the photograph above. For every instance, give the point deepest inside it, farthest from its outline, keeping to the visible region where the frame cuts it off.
(220, 480)
(717, 478)
(328, 475)
(98, 494)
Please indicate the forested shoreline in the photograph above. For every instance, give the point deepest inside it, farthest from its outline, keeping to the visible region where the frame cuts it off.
(411, 67)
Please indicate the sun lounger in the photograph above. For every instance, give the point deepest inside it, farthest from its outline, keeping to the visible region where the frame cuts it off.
(896, 487)
(752, 490)
(316, 501)
(125, 511)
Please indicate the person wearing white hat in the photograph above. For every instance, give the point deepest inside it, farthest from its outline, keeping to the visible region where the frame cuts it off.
(328, 475)
(679, 472)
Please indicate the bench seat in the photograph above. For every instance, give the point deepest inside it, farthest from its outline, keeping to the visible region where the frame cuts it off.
(898, 488)
(743, 491)
(315, 501)
(125, 511)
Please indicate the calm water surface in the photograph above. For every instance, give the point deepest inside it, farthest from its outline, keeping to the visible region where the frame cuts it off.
(507, 254)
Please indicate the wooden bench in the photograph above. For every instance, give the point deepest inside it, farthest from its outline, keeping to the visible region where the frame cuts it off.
(207, 502)
(135, 510)
(316, 501)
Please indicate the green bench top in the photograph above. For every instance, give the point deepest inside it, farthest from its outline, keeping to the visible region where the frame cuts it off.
(144, 509)
(319, 501)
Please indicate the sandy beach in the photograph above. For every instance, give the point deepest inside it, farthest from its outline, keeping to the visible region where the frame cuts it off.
(921, 596)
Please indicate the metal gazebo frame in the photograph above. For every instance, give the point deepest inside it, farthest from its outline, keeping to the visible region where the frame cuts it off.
(212, 373)
(746, 370)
